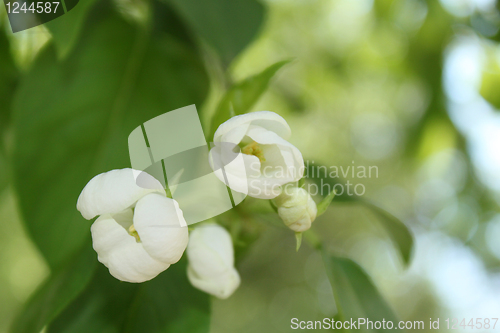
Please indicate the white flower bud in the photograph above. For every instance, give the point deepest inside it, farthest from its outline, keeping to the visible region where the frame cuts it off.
(296, 208)
(211, 261)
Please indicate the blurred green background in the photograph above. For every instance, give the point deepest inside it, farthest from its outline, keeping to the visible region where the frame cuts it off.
(409, 86)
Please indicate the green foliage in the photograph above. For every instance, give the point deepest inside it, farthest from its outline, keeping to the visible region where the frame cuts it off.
(57, 292)
(273, 206)
(243, 95)
(227, 25)
(8, 82)
(72, 119)
(67, 28)
(101, 307)
(425, 60)
(4, 174)
(355, 294)
(168, 303)
(396, 229)
(98, 79)
(325, 203)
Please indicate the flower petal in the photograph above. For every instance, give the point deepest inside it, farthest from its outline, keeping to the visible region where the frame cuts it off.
(266, 119)
(211, 261)
(235, 135)
(210, 250)
(292, 157)
(235, 171)
(115, 191)
(161, 227)
(221, 286)
(125, 258)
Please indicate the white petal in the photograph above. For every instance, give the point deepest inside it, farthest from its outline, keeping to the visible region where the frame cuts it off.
(114, 191)
(210, 249)
(211, 261)
(161, 227)
(237, 171)
(235, 135)
(312, 209)
(266, 119)
(293, 159)
(221, 286)
(125, 258)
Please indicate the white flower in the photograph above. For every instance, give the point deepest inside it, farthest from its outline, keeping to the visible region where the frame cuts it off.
(269, 161)
(211, 261)
(140, 231)
(296, 208)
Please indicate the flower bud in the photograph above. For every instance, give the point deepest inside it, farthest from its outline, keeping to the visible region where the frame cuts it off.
(211, 261)
(296, 208)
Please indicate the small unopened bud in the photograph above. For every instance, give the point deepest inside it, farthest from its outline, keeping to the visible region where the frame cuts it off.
(296, 208)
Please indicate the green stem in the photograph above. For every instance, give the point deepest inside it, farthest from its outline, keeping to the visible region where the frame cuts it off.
(313, 239)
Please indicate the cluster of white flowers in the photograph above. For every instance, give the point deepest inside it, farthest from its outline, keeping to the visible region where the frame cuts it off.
(140, 232)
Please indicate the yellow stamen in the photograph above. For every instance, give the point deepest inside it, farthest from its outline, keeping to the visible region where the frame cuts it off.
(133, 232)
(254, 149)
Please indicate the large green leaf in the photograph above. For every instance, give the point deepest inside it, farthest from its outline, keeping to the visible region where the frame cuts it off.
(179, 306)
(355, 294)
(227, 25)
(397, 230)
(243, 95)
(167, 303)
(8, 82)
(4, 172)
(57, 292)
(66, 29)
(102, 307)
(72, 118)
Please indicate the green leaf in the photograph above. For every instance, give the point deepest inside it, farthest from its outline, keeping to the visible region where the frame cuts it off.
(102, 307)
(8, 82)
(4, 172)
(72, 119)
(396, 229)
(301, 182)
(57, 292)
(298, 240)
(9, 76)
(66, 29)
(168, 303)
(227, 25)
(179, 306)
(318, 174)
(243, 95)
(325, 203)
(273, 205)
(355, 294)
